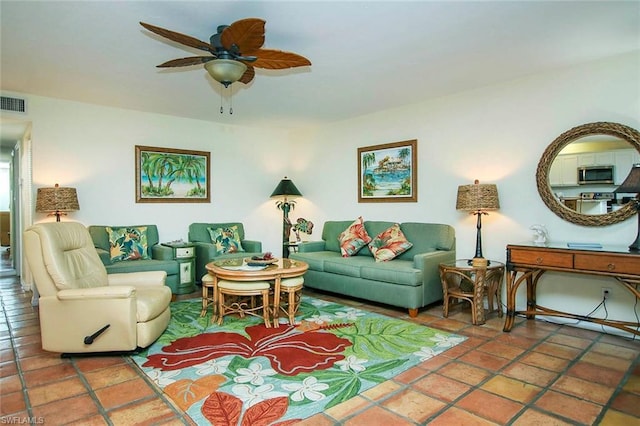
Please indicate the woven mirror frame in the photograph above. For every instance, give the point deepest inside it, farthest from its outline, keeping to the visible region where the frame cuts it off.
(621, 131)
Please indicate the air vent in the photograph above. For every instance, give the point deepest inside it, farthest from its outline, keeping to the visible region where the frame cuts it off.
(13, 104)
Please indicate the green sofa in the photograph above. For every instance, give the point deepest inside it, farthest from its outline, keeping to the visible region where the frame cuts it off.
(411, 280)
(206, 252)
(161, 256)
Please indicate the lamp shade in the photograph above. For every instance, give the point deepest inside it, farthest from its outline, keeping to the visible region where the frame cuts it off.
(286, 188)
(225, 71)
(631, 184)
(478, 197)
(57, 200)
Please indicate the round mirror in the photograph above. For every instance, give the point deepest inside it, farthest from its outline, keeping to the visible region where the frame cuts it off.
(579, 171)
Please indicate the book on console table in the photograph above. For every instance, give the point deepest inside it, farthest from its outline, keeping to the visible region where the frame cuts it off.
(584, 245)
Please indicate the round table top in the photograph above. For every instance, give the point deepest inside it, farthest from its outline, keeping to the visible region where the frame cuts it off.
(464, 264)
(237, 269)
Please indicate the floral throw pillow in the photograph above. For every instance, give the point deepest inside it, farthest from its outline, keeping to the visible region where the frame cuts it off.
(353, 238)
(389, 243)
(226, 240)
(128, 243)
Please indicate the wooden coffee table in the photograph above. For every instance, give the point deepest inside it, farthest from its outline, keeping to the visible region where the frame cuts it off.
(236, 270)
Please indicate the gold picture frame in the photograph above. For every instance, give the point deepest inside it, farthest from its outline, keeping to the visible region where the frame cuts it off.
(167, 175)
(388, 173)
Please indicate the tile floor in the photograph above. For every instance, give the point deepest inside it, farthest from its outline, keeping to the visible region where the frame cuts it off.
(539, 374)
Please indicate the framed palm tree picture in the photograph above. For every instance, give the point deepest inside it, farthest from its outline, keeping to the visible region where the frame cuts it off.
(165, 175)
(388, 172)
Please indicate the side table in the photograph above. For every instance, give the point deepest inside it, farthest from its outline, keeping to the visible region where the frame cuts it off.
(462, 280)
(185, 255)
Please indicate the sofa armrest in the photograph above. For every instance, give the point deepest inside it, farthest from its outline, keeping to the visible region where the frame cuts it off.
(432, 260)
(160, 252)
(105, 292)
(311, 246)
(252, 246)
(104, 255)
(135, 279)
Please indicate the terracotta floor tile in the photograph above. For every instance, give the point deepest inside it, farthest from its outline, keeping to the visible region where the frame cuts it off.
(376, 416)
(319, 419)
(511, 388)
(546, 362)
(141, 414)
(628, 403)
(535, 417)
(516, 340)
(456, 352)
(46, 359)
(10, 384)
(110, 376)
(485, 360)
(464, 373)
(607, 361)
(97, 420)
(583, 389)
(560, 351)
(489, 406)
(67, 410)
(434, 364)
(530, 374)
(340, 411)
(573, 341)
(123, 393)
(615, 350)
(45, 375)
(8, 368)
(32, 349)
(458, 417)
(633, 385)
(501, 349)
(441, 387)
(96, 363)
(569, 407)
(382, 390)
(414, 405)
(12, 403)
(55, 391)
(411, 375)
(579, 332)
(596, 373)
(616, 418)
(6, 355)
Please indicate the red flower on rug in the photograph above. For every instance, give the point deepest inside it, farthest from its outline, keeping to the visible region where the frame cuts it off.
(289, 350)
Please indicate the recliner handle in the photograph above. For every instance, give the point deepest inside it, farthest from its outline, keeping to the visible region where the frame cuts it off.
(89, 339)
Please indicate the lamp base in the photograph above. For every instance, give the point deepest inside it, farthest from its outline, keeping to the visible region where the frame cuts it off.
(479, 262)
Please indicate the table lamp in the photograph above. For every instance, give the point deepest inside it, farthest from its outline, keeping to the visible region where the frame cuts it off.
(478, 199)
(57, 201)
(287, 190)
(631, 185)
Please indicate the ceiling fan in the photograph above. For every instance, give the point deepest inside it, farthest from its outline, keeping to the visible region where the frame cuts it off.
(235, 50)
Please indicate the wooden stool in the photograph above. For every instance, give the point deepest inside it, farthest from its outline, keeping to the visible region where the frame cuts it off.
(209, 296)
(290, 293)
(243, 289)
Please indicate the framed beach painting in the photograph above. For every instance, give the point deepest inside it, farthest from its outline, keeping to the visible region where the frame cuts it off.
(166, 175)
(388, 173)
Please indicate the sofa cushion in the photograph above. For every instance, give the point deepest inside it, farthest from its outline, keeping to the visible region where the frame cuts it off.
(353, 238)
(389, 244)
(226, 240)
(349, 266)
(315, 259)
(330, 232)
(128, 243)
(401, 272)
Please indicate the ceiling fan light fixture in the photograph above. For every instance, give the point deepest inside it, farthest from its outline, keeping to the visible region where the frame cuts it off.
(225, 71)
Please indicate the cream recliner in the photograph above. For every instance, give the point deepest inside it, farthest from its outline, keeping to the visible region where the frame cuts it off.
(82, 309)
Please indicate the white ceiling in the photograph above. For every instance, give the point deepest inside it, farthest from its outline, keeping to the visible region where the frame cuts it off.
(366, 56)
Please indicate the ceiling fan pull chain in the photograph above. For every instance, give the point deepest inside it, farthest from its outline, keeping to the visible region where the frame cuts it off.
(230, 100)
(221, 109)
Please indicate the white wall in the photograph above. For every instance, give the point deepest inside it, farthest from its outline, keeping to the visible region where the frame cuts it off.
(495, 134)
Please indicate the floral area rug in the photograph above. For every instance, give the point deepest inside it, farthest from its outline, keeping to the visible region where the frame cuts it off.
(242, 373)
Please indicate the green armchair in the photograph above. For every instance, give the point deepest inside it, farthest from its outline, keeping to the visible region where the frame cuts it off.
(206, 251)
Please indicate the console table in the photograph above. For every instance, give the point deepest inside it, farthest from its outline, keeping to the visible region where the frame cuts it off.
(528, 262)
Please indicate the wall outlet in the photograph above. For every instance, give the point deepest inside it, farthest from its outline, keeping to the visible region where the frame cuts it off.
(606, 293)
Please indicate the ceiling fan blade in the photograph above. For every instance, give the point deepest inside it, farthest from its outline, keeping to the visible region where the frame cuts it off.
(247, 34)
(179, 38)
(248, 75)
(277, 59)
(185, 62)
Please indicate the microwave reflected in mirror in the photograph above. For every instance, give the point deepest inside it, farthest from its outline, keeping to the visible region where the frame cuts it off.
(586, 171)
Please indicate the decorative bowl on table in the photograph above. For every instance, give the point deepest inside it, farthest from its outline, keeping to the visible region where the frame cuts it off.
(264, 260)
